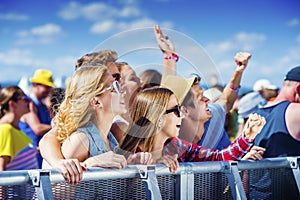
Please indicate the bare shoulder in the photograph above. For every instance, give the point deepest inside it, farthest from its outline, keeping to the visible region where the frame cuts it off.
(293, 120)
(76, 146)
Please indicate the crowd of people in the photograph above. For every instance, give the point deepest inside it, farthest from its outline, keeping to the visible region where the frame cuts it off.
(108, 116)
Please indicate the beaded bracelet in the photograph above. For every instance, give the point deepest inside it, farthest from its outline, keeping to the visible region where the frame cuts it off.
(174, 56)
(236, 89)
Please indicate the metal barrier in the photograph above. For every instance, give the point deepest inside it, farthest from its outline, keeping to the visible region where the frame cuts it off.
(276, 178)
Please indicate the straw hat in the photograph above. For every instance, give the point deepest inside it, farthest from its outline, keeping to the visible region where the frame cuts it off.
(178, 85)
(43, 77)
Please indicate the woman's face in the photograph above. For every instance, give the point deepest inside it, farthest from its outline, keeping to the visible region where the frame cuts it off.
(113, 101)
(171, 120)
(130, 83)
(22, 103)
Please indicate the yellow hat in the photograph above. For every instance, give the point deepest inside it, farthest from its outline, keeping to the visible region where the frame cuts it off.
(178, 85)
(43, 77)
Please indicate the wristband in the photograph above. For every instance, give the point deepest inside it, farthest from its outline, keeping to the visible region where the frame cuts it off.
(236, 89)
(174, 56)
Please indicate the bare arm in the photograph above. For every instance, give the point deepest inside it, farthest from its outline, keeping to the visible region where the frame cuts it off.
(293, 120)
(229, 95)
(4, 160)
(50, 149)
(33, 121)
(168, 49)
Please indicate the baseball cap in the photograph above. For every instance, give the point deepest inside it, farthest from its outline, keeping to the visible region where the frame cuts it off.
(293, 74)
(263, 84)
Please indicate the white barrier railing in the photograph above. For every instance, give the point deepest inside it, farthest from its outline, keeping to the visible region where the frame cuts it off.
(280, 179)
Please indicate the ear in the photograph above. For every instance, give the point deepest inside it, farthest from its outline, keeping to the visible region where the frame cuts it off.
(96, 102)
(185, 111)
(161, 122)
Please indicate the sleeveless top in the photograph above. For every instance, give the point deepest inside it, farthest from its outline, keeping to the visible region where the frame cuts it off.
(96, 143)
(275, 136)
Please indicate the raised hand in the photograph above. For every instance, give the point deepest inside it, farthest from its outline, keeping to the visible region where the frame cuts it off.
(108, 159)
(241, 60)
(144, 158)
(254, 125)
(169, 161)
(163, 41)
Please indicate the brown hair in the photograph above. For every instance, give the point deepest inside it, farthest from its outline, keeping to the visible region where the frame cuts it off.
(10, 93)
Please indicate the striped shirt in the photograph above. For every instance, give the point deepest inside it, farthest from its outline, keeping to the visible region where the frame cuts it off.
(189, 152)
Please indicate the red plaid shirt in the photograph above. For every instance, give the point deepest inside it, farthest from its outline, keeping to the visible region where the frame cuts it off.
(189, 152)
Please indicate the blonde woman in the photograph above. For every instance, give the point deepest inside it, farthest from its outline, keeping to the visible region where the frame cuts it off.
(92, 100)
(15, 152)
(156, 120)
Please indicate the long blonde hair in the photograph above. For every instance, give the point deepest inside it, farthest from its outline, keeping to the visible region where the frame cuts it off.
(75, 110)
(147, 109)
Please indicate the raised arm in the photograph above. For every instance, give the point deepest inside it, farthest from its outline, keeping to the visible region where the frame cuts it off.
(168, 50)
(189, 152)
(230, 92)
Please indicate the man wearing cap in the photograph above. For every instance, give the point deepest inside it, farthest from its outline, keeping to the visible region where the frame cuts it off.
(281, 134)
(37, 122)
(266, 89)
(203, 123)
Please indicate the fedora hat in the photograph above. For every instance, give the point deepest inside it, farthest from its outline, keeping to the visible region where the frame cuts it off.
(43, 77)
(178, 85)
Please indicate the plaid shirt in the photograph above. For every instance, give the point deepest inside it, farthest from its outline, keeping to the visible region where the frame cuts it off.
(189, 152)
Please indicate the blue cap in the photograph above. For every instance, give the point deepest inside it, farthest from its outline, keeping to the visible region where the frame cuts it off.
(293, 74)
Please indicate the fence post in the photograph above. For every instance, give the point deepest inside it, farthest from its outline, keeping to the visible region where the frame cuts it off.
(41, 180)
(186, 184)
(148, 176)
(294, 164)
(234, 178)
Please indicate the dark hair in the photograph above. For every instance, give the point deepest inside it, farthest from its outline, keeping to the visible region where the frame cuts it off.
(10, 93)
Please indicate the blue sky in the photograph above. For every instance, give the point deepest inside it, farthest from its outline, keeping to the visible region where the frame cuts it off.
(54, 34)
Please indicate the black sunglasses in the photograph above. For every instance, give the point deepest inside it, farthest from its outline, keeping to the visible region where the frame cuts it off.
(176, 111)
(117, 76)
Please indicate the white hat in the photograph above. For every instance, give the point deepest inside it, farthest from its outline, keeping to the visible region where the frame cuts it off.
(263, 84)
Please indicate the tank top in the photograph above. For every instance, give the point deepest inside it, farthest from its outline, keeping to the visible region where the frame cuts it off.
(275, 136)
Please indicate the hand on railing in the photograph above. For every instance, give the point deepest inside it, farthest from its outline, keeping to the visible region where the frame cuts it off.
(254, 125)
(169, 161)
(144, 158)
(108, 159)
(71, 169)
(255, 153)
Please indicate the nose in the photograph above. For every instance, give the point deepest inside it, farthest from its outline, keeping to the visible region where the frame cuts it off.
(205, 99)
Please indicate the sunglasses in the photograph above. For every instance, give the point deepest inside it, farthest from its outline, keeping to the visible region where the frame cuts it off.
(25, 98)
(176, 110)
(115, 86)
(117, 76)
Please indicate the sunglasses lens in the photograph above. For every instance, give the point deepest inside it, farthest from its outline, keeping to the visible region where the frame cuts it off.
(117, 77)
(117, 87)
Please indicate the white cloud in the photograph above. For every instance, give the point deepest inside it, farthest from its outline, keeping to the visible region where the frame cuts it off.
(248, 41)
(45, 34)
(113, 26)
(13, 17)
(24, 62)
(293, 22)
(98, 11)
(47, 29)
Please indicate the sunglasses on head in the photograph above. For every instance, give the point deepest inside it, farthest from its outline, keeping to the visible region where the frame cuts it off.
(115, 86)
(176, 110)
(25, 97)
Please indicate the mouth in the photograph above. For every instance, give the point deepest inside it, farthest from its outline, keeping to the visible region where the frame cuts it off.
(178, 125)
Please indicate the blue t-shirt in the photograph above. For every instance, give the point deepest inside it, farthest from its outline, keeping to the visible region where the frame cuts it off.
(215, 136)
